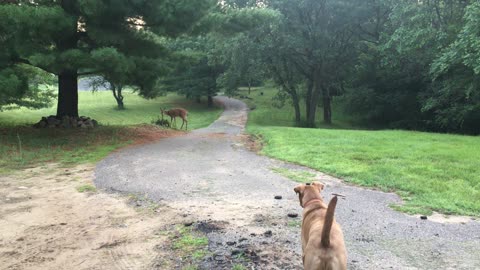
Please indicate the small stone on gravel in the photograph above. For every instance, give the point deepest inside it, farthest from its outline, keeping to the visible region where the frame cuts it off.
(237, 252)
(231, 243)
(292, 215)
(423, 217)
(278, 197)
(188, 223)
(268, 233)
(219, 258)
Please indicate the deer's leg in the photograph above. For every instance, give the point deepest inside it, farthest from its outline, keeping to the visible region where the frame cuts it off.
(184, 121)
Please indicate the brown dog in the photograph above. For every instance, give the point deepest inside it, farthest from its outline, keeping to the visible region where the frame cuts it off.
(322, 238)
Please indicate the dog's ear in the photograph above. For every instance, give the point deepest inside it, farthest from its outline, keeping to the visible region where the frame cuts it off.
(318, 185)
(299, 189)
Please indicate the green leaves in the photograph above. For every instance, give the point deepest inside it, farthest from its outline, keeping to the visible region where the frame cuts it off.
(111, 63)
(421, 73)
(465, 50)
(233, 21)
(24, 86)
(455, 93)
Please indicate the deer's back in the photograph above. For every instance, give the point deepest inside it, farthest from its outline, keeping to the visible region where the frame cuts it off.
(178, 112)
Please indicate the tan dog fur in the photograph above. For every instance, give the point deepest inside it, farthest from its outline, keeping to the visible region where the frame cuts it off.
(322, 238)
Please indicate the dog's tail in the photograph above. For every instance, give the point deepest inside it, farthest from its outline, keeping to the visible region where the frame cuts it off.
(327, 225)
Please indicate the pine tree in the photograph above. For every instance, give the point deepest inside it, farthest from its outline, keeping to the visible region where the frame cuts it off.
(71, 38)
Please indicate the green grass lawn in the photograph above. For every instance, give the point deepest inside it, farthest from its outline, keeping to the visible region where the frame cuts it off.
(438, 172)
(102, 107)
(23, 146)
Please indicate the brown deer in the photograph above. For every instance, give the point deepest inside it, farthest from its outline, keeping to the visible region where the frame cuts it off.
(174, 113)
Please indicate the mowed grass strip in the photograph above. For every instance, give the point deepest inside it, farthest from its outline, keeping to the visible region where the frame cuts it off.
(23, 146)
(431, 172)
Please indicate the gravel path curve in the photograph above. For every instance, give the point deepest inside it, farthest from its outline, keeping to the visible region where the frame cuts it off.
(209, 176)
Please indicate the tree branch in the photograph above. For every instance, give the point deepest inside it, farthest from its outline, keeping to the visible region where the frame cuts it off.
(19, 60)
(83, 36)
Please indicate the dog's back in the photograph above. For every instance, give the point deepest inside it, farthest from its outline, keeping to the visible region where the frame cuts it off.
(325, 248)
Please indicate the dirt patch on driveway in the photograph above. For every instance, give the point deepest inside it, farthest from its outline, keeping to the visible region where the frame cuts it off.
(148, 134)
(47, 223)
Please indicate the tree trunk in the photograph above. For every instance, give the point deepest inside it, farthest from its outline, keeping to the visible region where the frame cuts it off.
(68, 78)
(313, 110)
(308, 97)
(327, 105)
(67, 94)
(312, 105)
(117, 94)
(120, 98)
(249, 87)
(198, 99)
(210, 101)
(296, 106)
(211, 92)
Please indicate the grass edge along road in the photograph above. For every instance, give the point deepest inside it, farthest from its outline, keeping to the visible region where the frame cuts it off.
(431, 172)
(22, 146)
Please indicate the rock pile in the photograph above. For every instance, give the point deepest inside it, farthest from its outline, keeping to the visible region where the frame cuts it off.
(161, 122)
(66, 122)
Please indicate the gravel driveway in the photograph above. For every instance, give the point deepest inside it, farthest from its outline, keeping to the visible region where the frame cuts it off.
(209, 176)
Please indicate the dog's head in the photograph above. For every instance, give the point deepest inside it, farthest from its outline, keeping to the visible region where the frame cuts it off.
(309, 191)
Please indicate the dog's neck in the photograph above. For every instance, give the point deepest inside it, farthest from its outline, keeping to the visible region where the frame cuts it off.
(314, 204)
(312, 201)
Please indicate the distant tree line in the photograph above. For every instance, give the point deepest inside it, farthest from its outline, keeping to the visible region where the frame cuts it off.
(396, 63)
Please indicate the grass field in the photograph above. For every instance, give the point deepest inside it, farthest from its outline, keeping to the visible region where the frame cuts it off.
(431, 172)
(22, 146)
(102, 106)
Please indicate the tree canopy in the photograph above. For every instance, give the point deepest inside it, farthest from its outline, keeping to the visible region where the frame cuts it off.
(71, 38)
(420, 71)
